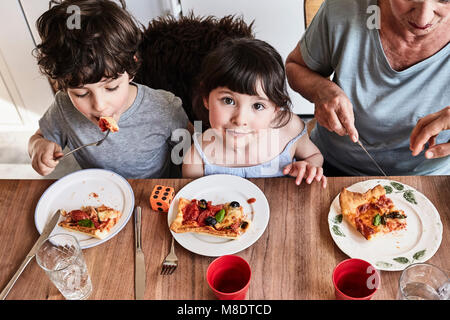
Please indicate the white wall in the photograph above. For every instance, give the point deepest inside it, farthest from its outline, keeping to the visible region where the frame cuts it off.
(29, 90)
(142, 10)
(280, 23)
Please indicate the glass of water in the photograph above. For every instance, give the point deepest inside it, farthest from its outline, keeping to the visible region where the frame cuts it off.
(62, 260)
(423, 281)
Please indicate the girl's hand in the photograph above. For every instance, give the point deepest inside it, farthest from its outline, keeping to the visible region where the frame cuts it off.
(304, 169)
(43, 156)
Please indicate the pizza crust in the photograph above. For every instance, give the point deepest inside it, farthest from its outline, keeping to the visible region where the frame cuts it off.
(350, 201)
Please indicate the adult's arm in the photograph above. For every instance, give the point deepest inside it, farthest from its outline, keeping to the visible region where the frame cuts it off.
(333, 109)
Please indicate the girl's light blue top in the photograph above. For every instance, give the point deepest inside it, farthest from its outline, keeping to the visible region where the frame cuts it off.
(272, 168)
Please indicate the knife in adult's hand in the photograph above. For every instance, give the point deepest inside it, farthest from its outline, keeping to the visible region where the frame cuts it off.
(139, 266)
(44, 235)
(371, 158)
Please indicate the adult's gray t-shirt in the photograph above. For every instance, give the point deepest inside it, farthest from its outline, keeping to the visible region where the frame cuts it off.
(141, 147)
(387, 104)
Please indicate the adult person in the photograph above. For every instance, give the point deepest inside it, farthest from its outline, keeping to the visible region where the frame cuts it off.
(387, 75)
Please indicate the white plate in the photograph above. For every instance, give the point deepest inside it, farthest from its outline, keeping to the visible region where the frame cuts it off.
(89, 187)
(418, 242)
(222, 188)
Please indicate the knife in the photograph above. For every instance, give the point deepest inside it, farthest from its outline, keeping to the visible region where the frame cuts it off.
(139, 267)
(371, 158)
(44, 235)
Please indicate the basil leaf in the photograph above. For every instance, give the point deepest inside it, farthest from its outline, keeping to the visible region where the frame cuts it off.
(86, 223)
(220, 215)
(376, 220)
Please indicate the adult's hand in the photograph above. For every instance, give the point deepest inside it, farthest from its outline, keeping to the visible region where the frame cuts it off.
(334, 111)
(426, 130)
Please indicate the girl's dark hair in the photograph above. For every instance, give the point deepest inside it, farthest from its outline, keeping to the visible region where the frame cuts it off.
(239, 64)
(104, 44)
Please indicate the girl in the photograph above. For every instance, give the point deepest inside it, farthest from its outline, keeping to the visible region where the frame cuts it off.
(253, 133)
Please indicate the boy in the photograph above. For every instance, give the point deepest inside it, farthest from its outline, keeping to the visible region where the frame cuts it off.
(94, 65)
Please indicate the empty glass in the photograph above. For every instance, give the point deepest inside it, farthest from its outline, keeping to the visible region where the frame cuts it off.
(423, 281)
(62, 260)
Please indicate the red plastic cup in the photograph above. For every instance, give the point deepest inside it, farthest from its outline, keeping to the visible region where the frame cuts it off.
(355, 279)
(229, 277)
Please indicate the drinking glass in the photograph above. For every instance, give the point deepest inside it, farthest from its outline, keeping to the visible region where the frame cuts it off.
(62, 260)
(423, 281)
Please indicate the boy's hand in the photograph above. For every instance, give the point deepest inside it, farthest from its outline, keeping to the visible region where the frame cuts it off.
(43, 156)
(304, 169)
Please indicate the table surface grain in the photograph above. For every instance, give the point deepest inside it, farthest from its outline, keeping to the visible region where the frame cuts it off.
(293, 259)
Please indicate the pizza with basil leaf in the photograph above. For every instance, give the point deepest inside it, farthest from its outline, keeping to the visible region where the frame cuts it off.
(93, 221)
(371, 213)
(200, 216)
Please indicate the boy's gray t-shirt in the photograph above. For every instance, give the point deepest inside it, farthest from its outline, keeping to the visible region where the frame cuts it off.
(387, 104)
(141, 147)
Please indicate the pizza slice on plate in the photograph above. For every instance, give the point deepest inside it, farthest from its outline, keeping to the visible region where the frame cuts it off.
(371, 213)
(93, 221)
(200, 216)
(108, 123)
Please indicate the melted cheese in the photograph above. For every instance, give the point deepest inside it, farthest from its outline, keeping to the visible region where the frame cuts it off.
(232, 215)
(105, 213)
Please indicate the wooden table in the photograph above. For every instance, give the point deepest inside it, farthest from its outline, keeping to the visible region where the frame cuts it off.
(293, 259)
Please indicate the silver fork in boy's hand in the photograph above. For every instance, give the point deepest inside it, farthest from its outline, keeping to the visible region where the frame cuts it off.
(97, 143)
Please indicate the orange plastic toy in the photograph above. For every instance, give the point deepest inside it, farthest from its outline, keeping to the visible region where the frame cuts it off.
(161, 198)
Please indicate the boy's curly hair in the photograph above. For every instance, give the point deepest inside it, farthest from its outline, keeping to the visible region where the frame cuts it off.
(105, 44)
(173, 49)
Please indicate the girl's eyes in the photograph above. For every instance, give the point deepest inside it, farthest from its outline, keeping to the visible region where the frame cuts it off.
(227, 100)
(258, 107)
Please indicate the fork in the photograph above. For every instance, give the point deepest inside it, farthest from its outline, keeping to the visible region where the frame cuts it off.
(97, 143)
(170, 263)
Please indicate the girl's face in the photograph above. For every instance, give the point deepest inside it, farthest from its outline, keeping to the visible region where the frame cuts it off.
(421, 17)
(239, 116)
(109, 97)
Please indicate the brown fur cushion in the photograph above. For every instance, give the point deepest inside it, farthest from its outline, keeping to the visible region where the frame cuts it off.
(172, 51)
